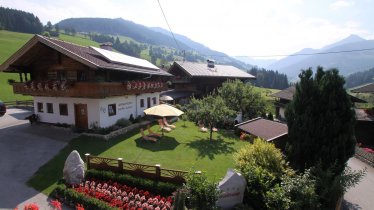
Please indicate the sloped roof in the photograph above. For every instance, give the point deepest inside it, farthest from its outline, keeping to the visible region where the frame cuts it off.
(265, 129)
(364, 89)
(202, 70)
(288, 93)
(82, 54)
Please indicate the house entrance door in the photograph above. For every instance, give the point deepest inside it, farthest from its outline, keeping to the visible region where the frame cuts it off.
(81, 120)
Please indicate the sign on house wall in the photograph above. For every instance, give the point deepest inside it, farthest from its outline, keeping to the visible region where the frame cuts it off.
(231, 190)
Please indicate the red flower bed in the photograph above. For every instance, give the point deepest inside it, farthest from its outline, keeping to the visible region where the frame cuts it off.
(124, 197)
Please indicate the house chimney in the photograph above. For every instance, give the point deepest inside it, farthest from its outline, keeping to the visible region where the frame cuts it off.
(106, 46)
(210, 63)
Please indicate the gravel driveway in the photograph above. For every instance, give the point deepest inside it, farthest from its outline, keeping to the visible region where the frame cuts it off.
(23, 149)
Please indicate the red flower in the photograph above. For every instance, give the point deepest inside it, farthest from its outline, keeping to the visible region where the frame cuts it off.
(79, 207)
(55, 204)
(31, 206)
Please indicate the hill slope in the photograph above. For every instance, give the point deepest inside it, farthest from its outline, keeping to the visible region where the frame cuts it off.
(151, 36)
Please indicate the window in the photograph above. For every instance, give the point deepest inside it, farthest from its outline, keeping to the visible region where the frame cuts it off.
(63, 109)
(49, 108)
(141, 103)
(40, 107)
(154, 100)
(112, 109)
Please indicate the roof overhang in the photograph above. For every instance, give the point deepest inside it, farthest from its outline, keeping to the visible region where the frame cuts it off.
(7, 65)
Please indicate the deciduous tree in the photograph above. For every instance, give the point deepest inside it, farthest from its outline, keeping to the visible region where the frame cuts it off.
(210, 110)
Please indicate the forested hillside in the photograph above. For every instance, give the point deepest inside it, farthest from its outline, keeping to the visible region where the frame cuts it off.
(19, 21)
(269, 78)
(360, 78)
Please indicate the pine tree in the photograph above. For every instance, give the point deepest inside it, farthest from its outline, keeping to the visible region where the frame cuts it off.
(320, 122)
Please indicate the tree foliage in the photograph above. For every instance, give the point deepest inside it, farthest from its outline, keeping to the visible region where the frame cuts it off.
(202, 193)
(241, 97)
(320, 122)
(19, 21)
(269, 78)
(210, 110)
(360, 78)
(262, 165)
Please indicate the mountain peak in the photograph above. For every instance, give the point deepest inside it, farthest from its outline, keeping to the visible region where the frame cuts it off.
(354, 38)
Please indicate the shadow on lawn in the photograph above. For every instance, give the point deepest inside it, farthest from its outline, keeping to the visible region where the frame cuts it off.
(207, 148)
(163, 143)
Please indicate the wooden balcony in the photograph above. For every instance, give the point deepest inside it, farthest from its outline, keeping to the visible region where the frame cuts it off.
(86, 89)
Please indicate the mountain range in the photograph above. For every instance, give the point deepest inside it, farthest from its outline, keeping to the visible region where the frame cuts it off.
(336, 55)
(149, 35)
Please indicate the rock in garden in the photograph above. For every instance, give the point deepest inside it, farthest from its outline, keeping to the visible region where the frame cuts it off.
(74, 168)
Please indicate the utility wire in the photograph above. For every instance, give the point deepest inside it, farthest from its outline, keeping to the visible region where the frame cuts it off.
(167, 23)
(300, 54)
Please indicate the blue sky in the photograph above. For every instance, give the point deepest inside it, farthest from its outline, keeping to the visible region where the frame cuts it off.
(236, 27)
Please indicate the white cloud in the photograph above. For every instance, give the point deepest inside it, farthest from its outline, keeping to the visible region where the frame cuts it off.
(240, 27)
(340, 4)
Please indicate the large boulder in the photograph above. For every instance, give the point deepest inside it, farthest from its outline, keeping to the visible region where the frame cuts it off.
(74, 168)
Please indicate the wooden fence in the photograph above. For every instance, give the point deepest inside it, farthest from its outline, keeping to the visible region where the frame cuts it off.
(364, 156)
(140, 170)
(24, 103)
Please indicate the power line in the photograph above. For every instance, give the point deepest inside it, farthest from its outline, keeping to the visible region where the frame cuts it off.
(167, 23)
(300, 54)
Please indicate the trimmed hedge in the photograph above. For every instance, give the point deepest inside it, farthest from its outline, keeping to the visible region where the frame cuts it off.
(69, 195)
(156, 187)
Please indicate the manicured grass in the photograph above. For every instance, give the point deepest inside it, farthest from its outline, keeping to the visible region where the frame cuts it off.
(185, 148)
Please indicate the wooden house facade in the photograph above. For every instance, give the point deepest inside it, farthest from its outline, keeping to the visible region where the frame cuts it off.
(84, 86)
(200, 79)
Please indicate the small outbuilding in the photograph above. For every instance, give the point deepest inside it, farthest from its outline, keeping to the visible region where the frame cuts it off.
(270, 131)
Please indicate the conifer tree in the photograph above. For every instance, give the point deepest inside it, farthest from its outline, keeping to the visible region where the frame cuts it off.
(320, 122)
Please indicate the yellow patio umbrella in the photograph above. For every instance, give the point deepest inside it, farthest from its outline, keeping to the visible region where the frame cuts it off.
(163, 110)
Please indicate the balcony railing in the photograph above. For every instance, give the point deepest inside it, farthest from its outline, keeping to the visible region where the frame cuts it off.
(87, 89)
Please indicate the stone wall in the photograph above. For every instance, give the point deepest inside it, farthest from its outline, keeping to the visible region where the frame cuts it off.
(119, 131)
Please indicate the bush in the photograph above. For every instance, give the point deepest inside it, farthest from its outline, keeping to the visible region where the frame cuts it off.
(294, 192)
(202, 193)
(69, 195)
(263, 166)
(11, 81)
(157, 187)
(131, 118)
(123, 122)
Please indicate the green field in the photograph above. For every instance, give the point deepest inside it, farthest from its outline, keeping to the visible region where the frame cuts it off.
(10, 42)
(185, 148)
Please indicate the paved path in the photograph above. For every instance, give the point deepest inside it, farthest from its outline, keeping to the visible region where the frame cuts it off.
(361, 196)
(23, 149)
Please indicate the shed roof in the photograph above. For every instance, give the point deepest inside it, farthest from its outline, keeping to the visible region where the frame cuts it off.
(288, 93)
(86, 55)
(202, 70)
(364, 89)
(265, 129)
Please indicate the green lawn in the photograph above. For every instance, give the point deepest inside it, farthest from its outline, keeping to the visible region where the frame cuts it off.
(185, 148)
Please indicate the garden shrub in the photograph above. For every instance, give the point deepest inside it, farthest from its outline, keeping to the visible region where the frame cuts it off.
(69, 195)
(158, 187)
(202, 193)
(132, 119)
(262, 165)
(123, 122)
